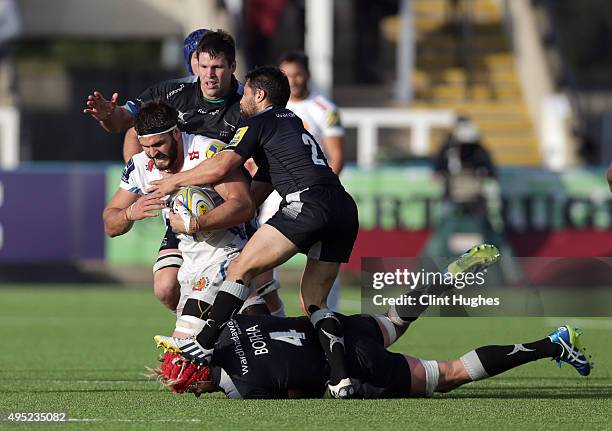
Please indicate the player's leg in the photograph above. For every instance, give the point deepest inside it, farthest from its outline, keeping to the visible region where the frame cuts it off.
(475, 259)
(267, 285)
(333, 298)
(316, 283)
(166, 286)
(333, 246)
(265, 250)
(488, 361)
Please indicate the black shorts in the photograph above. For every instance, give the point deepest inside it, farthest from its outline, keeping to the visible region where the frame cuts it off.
(381, 374)
(321, 221)
(170, 241)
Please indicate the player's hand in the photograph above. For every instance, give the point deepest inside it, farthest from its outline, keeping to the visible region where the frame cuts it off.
(182, 221)
(167, 185)
(100, 108)
(146, 206)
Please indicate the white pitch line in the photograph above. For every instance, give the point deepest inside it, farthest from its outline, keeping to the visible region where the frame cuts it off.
(584, 323)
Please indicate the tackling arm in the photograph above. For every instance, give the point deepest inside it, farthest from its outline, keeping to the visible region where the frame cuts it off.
(210, 171)
(111, 118)
(237, 208)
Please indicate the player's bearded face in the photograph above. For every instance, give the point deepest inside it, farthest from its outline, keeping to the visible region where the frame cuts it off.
(248, 105)
(163, 151)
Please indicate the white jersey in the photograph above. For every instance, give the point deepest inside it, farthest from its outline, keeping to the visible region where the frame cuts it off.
(201, 259)
(319, 115)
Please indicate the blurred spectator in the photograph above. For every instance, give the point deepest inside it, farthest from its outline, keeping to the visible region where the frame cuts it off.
(464, 163)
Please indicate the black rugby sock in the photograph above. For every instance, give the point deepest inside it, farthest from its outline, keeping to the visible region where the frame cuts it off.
(230, 298)
(410, 313)
(331, 337)
(498, 359)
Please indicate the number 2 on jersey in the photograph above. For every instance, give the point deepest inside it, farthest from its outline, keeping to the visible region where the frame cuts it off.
(313, 148)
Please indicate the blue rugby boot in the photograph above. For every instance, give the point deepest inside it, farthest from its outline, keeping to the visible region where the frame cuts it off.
(573, 353)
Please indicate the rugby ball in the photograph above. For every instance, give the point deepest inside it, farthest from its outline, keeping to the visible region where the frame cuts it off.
(198, 201)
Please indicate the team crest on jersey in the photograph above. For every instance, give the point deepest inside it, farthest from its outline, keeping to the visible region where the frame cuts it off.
(238, 136)
(150, 165)
(200, 284)
(213, 148)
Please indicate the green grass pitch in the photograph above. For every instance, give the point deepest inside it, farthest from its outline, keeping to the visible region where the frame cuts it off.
(82, 350)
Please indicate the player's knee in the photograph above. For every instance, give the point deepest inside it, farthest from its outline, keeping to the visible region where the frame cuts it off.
(166, 287)
(238, 270)
(452, 375)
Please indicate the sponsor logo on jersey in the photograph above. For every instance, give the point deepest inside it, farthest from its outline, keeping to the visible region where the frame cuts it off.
(200, 284)
(193, 155)
(215, 112)
(240, 353)
(175, 91)
(213, 148)
(238, 136)
(333, 119)
(181, 116)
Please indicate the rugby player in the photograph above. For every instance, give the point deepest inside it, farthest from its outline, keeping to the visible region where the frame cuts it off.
(322, 119)
(273, 357)
(317, 216)
(207, 105)
(165, 148)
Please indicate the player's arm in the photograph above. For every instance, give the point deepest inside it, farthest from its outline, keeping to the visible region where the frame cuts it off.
(131, 145)
(609, 176)
(111, 117)
(215, 169)
(237, 207)
(334, 148)
(126, 207)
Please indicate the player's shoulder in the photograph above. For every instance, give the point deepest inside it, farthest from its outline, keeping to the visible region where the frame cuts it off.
(172, 88)
(321, 102)
(137, 167)
(201, 145)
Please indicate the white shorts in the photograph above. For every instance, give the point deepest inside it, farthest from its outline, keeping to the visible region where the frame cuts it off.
(202, 283)
(269, 207)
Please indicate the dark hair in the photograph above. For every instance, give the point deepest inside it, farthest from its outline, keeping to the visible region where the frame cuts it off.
(298, 57)
(218, 42)
(154, 117)
(271, 80)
